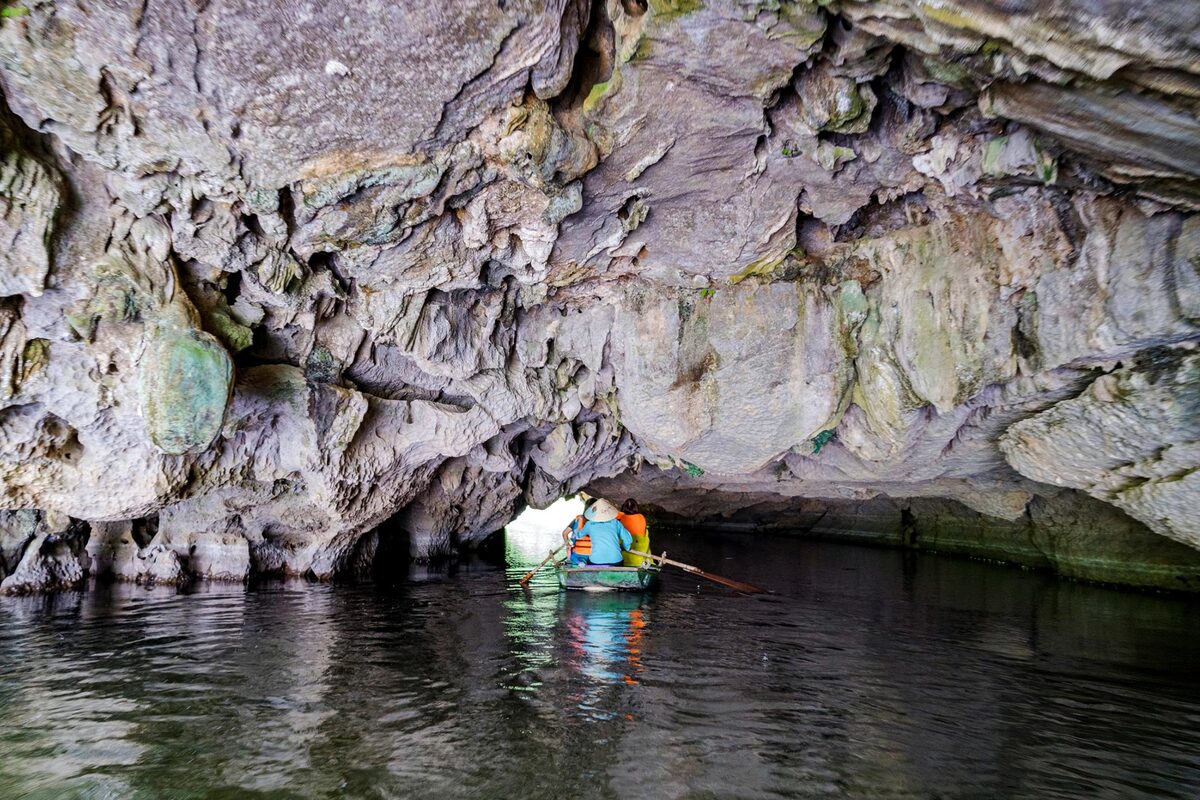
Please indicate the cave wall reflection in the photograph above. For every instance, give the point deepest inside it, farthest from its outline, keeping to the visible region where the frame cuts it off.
(872, 673)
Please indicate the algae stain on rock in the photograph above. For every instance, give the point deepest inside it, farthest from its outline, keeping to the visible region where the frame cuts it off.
(186, 382)
(185, 374)
(669, 9)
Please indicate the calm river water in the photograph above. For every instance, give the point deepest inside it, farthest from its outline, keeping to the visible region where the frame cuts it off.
(871, 674)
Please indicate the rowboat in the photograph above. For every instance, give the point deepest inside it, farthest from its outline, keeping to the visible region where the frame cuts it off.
(607, 579)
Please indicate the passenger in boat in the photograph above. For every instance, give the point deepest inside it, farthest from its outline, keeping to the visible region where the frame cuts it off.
(578, 544)
(608, 536)
(631, 517)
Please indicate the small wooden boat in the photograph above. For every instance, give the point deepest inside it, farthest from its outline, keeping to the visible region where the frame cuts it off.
(607, 579)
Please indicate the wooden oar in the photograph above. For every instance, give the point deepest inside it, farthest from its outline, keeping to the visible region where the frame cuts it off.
(732, 584)
(538, 568)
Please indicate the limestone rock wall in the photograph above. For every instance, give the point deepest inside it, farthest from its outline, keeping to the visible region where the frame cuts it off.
(282, 278)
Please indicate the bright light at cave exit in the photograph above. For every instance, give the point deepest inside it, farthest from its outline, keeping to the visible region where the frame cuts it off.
(531, 535)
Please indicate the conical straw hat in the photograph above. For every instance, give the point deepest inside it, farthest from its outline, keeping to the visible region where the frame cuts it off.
(601, 511)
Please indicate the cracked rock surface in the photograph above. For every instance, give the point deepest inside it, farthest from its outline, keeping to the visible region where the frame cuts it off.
(287, 286)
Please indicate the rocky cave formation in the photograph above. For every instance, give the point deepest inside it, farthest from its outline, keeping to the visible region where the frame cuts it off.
(286, 282)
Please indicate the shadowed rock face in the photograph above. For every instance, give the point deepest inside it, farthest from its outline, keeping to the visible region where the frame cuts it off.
(285, 279)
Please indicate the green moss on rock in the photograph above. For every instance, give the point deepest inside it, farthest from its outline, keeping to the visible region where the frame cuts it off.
(669, 9)
(600, 91)
(186, 381)
(320, 366)
(947, 72)
(34, 358)
(762, 268)
(820, 440)
(236, 336)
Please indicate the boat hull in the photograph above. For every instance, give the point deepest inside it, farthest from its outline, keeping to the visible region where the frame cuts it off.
(607, 579)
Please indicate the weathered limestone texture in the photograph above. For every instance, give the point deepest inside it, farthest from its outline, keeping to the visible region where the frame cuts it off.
(51, 552)
(285, 279)
(1132, 439)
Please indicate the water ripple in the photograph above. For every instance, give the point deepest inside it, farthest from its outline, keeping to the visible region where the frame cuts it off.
(870, 674)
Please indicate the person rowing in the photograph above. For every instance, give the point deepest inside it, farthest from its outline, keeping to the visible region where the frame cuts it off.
(578, 543)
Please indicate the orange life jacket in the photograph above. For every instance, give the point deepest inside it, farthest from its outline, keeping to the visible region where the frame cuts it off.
(634, 523)
(583, 545)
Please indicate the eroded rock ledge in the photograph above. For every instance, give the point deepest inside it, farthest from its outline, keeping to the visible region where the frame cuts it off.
(286, 280)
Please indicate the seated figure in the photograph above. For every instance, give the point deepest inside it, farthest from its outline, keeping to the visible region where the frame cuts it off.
(608, 537)
(578, 543)
(633, 520)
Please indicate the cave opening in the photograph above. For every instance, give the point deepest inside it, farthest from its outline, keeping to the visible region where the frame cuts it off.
(536, 531)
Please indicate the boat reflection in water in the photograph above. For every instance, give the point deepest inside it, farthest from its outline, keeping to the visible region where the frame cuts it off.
(603, 646)
(590, 642)
(871, 673)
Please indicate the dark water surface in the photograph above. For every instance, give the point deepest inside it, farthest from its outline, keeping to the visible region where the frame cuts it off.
(872, 674)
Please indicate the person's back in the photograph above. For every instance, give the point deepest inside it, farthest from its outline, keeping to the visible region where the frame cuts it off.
(577, 542)
(609, 537)
(635, 522)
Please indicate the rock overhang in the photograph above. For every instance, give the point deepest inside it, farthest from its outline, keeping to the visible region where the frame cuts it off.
(844, 252)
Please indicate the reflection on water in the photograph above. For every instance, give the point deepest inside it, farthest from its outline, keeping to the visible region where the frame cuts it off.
(603, 635)
(871, 674)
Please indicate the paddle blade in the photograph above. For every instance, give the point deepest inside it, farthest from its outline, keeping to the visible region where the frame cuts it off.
(745, 588)
(528, 575)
